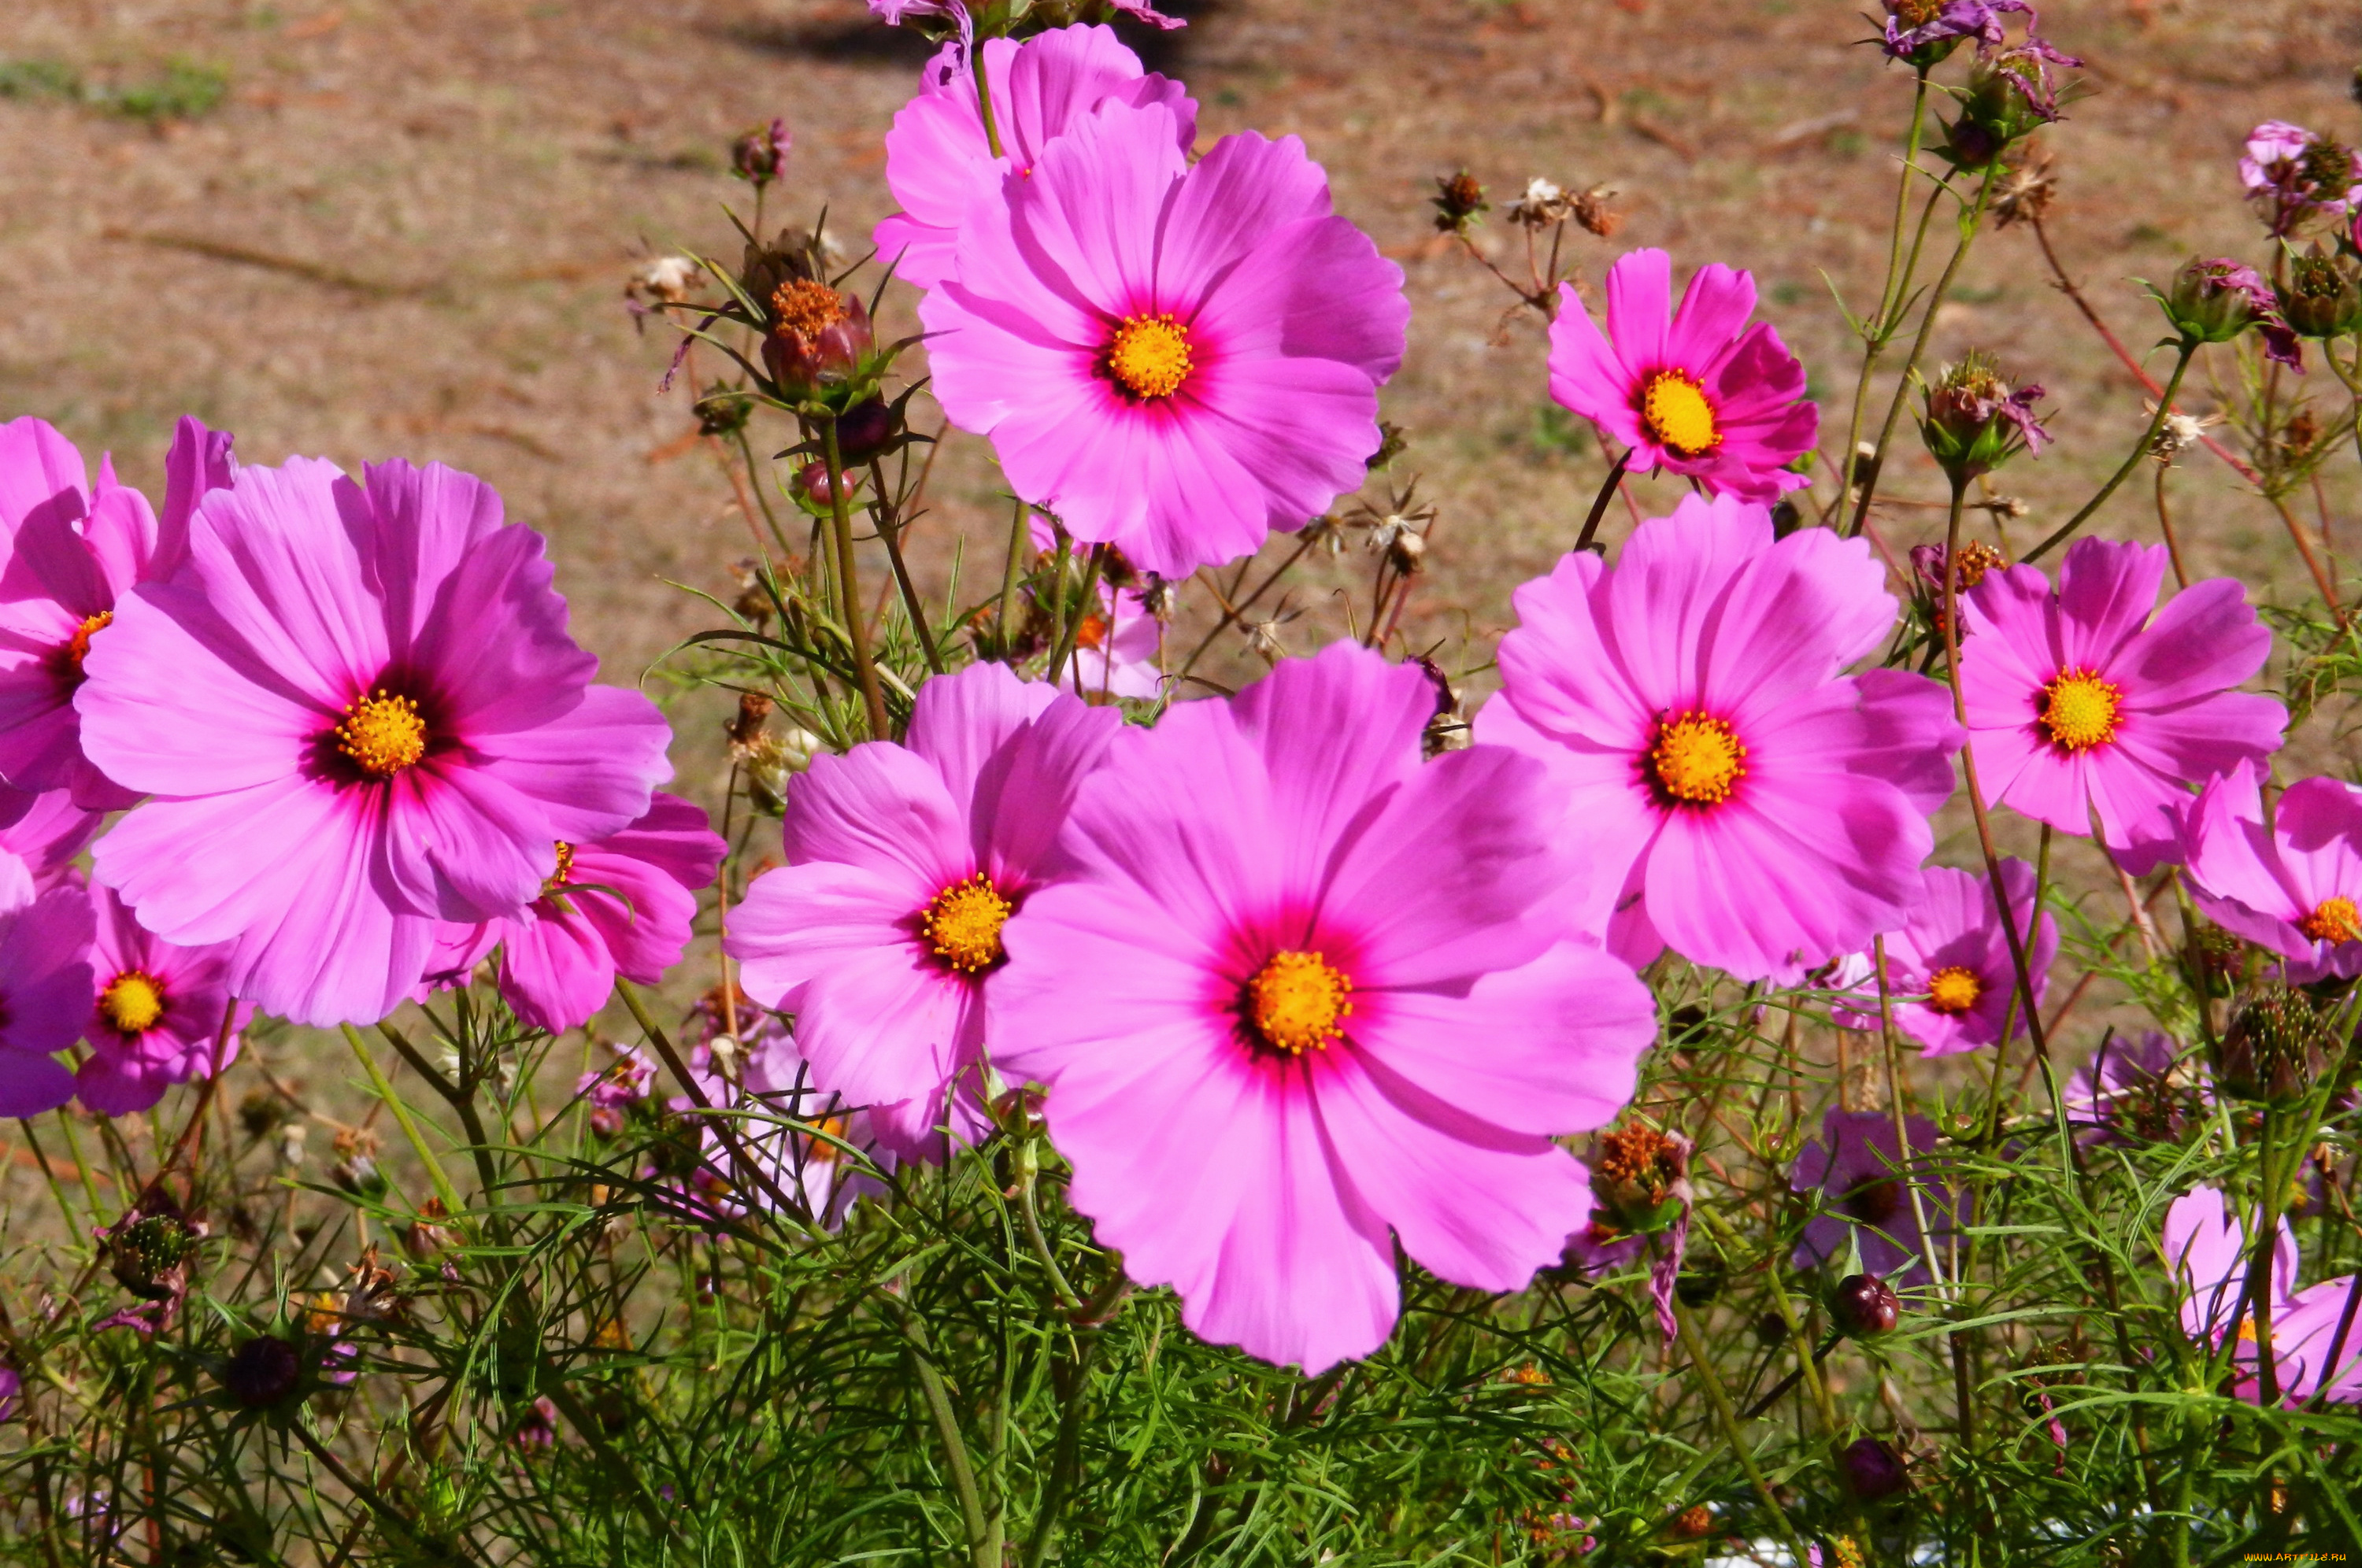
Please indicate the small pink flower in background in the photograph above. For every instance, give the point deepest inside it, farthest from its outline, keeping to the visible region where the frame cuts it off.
(1690, 703)
(2140, 1090)
(882, 933)
(2082, 702)
(44, 998)
(1695, 390)
(614, 1091)
(45, 831)
(619, 905)
(1117, 651)
(938, 161)
(359, 714)
(1950, 979)
(1865, 1179)
(70, 552)
(2206, 1251)
(160, 1010)
(1175, 359)
(2294, 888)
(2292, 175)
(1305, 997)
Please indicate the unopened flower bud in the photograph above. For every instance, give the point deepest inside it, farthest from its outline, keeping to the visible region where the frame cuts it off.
(2214, 300)
(1459, 202)
(866, 429)
(1864, 1306)
(814, 482)
(2324, 297)
(262, 1373)
(1975, 421)
(1872, 1472)
(818, 336)
(358, 1173)
(760, 156)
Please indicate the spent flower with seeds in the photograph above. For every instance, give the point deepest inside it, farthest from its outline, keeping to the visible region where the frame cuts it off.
(1975, 421)
(2293, 176)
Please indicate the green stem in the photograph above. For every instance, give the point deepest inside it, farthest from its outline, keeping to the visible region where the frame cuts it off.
(1608, 489)
(983, 97)
(890, 528)
(762, 491)
(856, 623)
(1074, 627)
(1726, 1416)
(1874, 344)
(2139, 453)
(981, 1550)
(462, 1101)
(393, 1101)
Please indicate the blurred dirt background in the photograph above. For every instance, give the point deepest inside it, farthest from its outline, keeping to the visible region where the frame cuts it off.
(367, 228)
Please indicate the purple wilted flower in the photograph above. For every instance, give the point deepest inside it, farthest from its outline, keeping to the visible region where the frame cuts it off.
(536, 1428)
(2129, 1092)
(760, 156)
(2215, 300)
(1862, 1177)
(1924, 31)
(1976, 421)
(2294, 174)
(617, 1089)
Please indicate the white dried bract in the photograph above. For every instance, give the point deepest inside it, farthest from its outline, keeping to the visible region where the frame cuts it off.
(666, 280)
(1543, 204)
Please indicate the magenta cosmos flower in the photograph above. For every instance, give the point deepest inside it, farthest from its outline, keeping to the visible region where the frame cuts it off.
(938, 160)
(70, 552)
(2206, 1251)
(2294, 887)
(1696, 391)
(1773, 811)
(882, 933)
(44, 998)
(2080, 704)
(1173, 357)
(159, 1012)
(1950, 979)
(1865, 1179)
(359, 714)
(620, 905)
(40, 836)
(1303, 990)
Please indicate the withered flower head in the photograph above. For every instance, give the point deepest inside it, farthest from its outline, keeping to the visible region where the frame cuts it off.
(1459, 202)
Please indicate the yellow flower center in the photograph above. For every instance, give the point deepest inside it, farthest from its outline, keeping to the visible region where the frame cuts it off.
(1295, 1003)
(1697, 760)
(1679, 417)
(565, 868)
(131, 1003)
(2079, 710)
(963, 924)
(1149, 355)
(2335, 920)
(1953, 990)
(821, 1151)
(382, 735)
(77, 647)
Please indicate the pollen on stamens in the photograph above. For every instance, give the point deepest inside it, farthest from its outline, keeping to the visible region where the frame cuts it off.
(1697, 760)
(1680, 418)
(383, 734)
(2335, 920)
(963, 923)
(131, 1003)
(1150, 356)
(2079, 709)
(77, 648)
(1954, 990)
(556, 879)
(1296, 1003)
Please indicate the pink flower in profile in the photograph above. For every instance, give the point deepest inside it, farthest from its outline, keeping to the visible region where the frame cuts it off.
(44, 998)
(1691, 700)
(157, 1012)
(359, 714)
(1695, 390)
(882, 933)
(2083, 703)
(1865, 1180)
(1950, 979)
(70, 552)
(2292, 173)
(1303, 990)
(618, 905)
(938, 161)
(1175, 359)
(2294, 887)
(44, 832)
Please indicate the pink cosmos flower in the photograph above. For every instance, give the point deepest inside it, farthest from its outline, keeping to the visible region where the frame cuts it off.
(1303, 990)
(938, 160)
(360, 715)
(2293, 888)
(783, 1104)
(1773, 811)
(1865, 1179)
(2292, 173)
(1696, 391)
(70, 551)
(2206, 1251)
(1950, 979)
(2324, 1336)
(1117, 651)
(2081, 703)
(158, 1012)
(623, 904)
(1173, 357)
(2140, 1090)
(882, 933)
(44, 832)
(44, 998)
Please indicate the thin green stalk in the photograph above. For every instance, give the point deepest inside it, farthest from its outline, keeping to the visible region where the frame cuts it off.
(2139, 454)
(1969, 225)
(462, 1101)
(762, 491)
(848, 583)
(983, 1549)
(890, 528)
(393, 1101)
(1726, 1416)
(1066, 1453)
(1074, 627)
(1874, 340)
(1020, 544)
